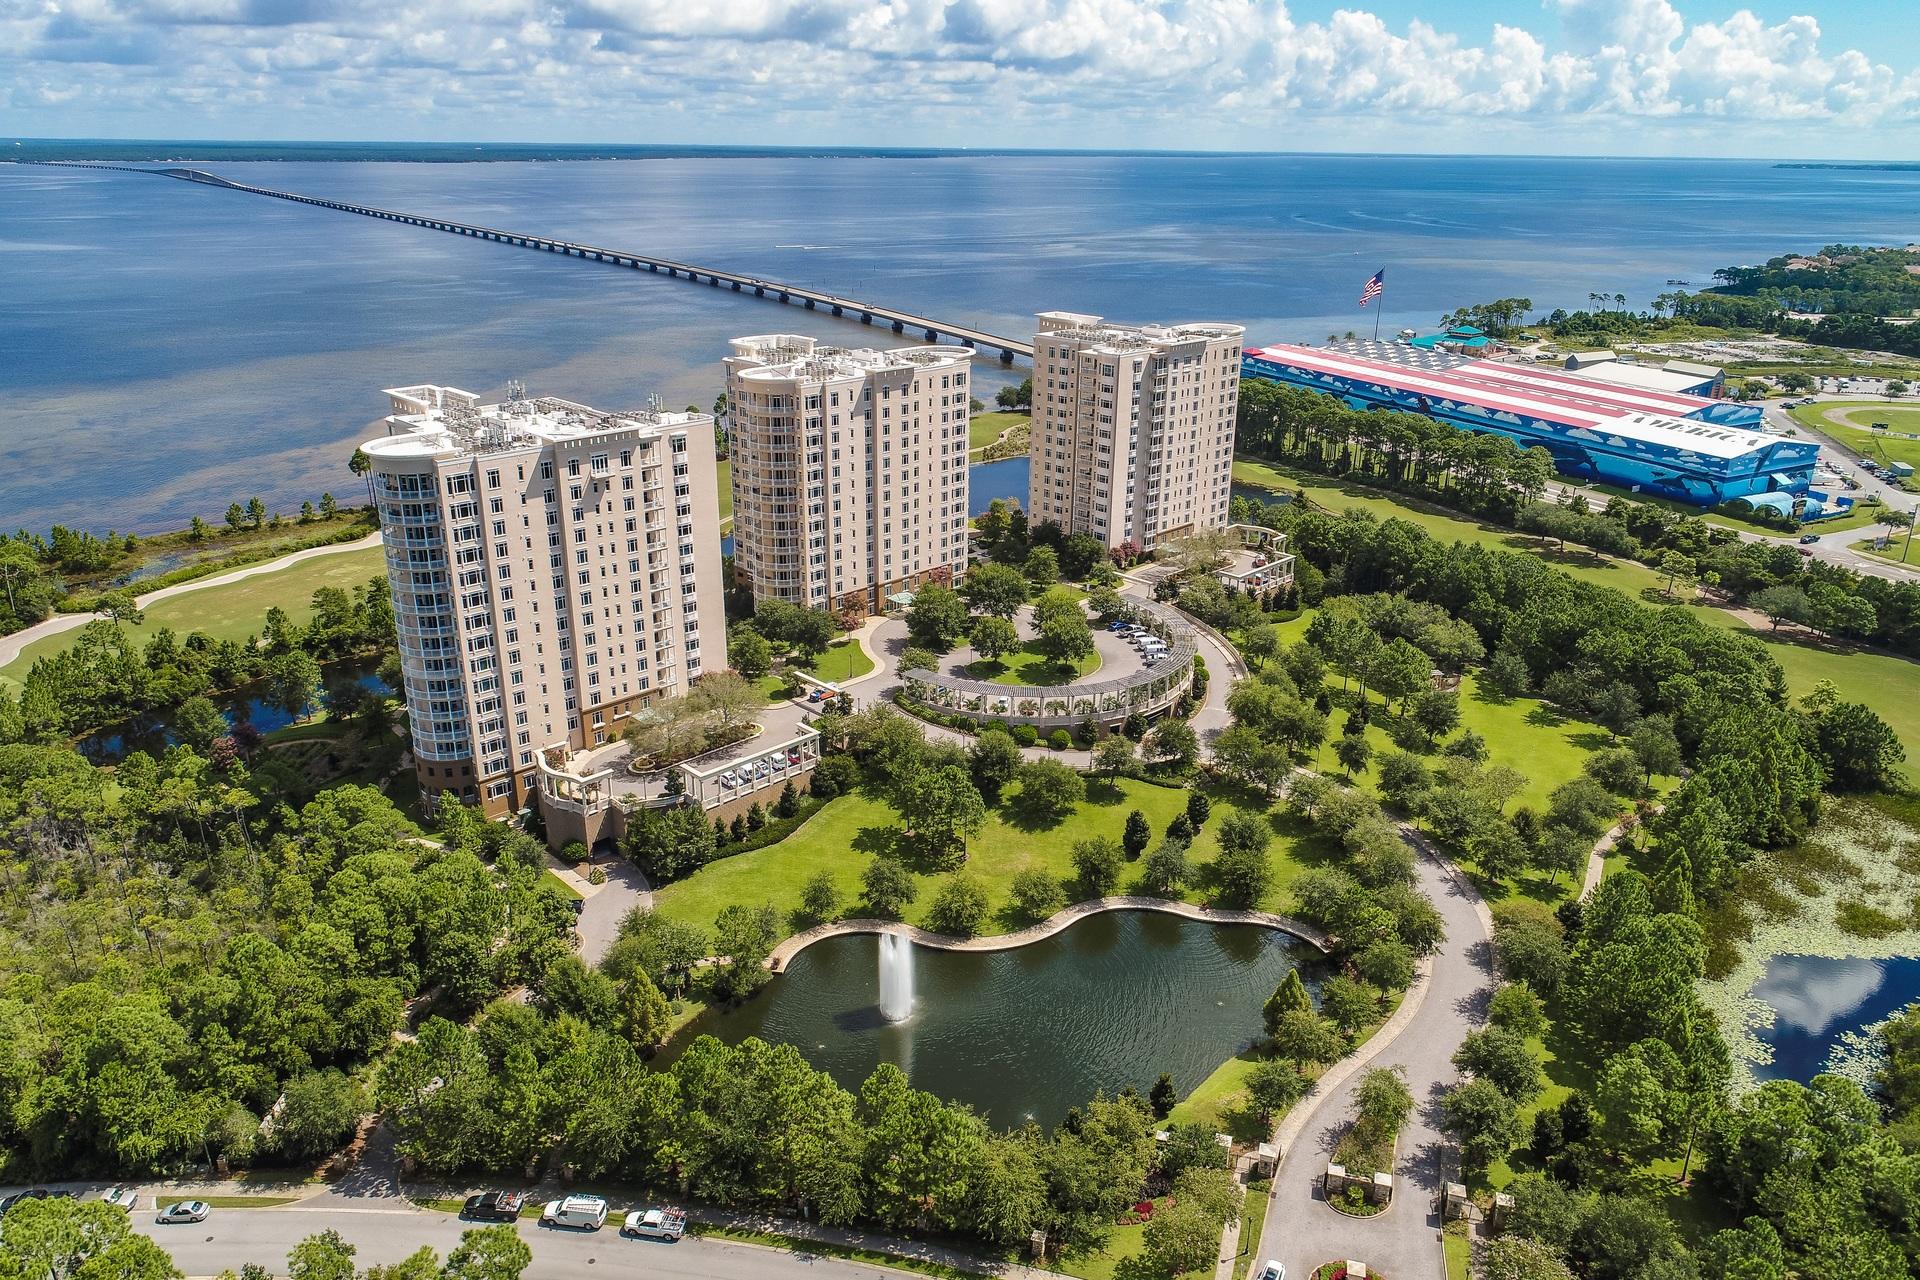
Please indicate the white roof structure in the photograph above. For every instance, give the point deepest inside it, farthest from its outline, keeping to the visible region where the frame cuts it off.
(428, 421)
(1575, 402)
(796, 357)
(1645, 376)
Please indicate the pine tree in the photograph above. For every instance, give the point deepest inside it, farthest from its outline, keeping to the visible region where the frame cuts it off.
(1162, 1096)
(1137, 836)
(1289, 997)
(1673, 887)
(644, 1013)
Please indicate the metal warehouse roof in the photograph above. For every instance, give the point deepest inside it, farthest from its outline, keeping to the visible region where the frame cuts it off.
(1645, 376)
(1563, 399)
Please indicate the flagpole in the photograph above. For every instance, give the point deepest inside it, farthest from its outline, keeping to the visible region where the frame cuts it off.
(1379, 305)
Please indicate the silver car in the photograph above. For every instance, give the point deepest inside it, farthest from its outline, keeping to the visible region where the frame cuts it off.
(184, 1211)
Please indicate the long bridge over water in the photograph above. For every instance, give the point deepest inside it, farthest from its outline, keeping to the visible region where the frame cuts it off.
(931, 329)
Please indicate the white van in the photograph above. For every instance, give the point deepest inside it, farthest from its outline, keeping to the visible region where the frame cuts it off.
(585, 1213)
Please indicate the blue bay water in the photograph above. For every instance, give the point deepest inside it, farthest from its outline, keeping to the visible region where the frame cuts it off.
(166, 348)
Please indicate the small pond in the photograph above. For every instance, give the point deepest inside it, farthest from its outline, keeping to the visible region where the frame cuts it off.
(1025, 1034)
(1261, 494)
(154, 733)
(1006, 478)
(1820, 1000)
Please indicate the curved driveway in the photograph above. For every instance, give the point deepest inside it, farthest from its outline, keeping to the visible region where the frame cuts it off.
(1404, 1242)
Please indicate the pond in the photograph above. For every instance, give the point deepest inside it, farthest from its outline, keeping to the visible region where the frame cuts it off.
(1006, 478)
(154, 733)
(1025, 1034)
(1261, 494)
(1822, 1002)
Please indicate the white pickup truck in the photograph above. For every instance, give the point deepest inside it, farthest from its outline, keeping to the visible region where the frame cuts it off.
(655, 1224)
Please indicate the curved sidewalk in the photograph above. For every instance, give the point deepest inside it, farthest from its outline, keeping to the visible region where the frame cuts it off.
(11, 646)
(784, 953)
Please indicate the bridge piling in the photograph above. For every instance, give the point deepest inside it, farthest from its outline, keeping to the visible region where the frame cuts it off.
(1007, 348)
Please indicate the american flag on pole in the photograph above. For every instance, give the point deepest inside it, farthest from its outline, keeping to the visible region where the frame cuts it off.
(1374, 284)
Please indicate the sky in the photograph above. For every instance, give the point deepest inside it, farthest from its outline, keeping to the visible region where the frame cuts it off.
(1813, 79)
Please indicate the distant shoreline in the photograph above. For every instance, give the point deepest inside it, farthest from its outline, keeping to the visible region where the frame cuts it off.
(211, 150)
(1895, 166)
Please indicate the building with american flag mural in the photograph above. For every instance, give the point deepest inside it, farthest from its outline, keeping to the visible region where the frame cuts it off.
(1691, 447)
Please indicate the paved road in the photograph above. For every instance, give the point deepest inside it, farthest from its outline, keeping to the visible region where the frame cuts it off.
(231, 1238)
(1404, 1242)
(11, 645)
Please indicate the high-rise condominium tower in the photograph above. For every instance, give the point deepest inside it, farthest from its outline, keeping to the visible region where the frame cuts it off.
(849, 469)
(1132, 427)
(553, 568)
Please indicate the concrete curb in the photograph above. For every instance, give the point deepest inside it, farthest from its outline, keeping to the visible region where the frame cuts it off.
(1340, 1072)
(784, 953)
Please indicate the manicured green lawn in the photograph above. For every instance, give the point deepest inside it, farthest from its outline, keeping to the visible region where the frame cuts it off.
(1863, 440)
(843, 836)
(1215, 1103)
(1124, 1245)
(1458, 1251)
(842, 661)
(558, 885)
(725, 478)
(1025, 666)
(1589, 566)
(235, 610)
(1891, 686)
(182, 553)
(984, 428)
(1253, 1225)
(1524, 734)
(1895, 548)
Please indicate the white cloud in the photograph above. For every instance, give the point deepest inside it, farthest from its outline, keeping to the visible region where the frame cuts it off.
(1161, 72)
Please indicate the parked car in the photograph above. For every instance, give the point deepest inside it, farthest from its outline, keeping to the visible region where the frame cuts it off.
(21, 1197)
(1272, 1271)
(793, 757)
(1807, 539)
(184, 1211)
(655, 1224)
(495, 1206)
(582, 1213)
(121, 1198)
(727, 780)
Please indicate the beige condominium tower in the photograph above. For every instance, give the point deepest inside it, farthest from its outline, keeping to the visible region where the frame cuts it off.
(1132, 427)
(554, 568)
(849, 469)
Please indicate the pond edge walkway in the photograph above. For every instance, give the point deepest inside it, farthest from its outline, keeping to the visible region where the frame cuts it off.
(783, 954)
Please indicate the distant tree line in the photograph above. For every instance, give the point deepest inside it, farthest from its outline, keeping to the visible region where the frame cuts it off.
(34, 569)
